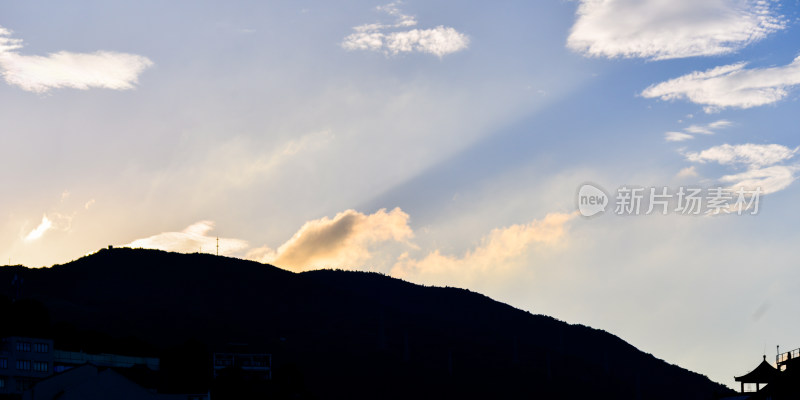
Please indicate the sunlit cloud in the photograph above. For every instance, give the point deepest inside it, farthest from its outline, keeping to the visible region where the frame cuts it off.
(40, 230)
(88, 204)
(349, 240)
(194, 238)
(438, 41)
(63, 69)
(688, 172)
(730, 86)
(500, 250)
(657, 29)
(54, 222)
(344, 241)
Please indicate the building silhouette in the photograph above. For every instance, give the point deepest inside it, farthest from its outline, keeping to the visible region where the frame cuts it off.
(767, 382)
(256, 366)
(89, 382)
(64, 360)
(23, 362)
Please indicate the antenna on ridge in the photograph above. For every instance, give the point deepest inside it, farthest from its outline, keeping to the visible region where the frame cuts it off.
(218, 245)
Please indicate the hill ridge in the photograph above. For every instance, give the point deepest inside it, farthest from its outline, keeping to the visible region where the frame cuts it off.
(449, 341)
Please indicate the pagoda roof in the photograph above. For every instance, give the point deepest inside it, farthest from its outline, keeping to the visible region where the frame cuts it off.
(763, 373)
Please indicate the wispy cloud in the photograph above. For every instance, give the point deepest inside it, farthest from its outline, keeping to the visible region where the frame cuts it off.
(194, 238)
(657, 29)
(730, 86)
(438, 41)
(499, 250)
(769, 179)
(709, 129)
(761, 162)
(63, 69)
(750, 155)
(691, 130)
(677, 136)
(402, 20)
(344, 241)
(235, 163)
(723, 123)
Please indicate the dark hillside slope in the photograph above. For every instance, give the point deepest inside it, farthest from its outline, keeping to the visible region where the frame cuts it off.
(350, 334)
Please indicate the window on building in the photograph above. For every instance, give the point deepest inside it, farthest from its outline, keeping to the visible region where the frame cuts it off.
(41, 347)
(2, 383)
(24, 384)
(3, 363)
(24, 365)
(23, 346)
(40, 366)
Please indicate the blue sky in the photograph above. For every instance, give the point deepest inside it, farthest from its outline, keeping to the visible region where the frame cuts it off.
(439, 142)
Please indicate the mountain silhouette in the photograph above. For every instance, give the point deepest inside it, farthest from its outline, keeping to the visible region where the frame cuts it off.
(333, 334)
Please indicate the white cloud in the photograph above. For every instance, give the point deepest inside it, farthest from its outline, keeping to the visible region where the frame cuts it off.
(752, 155)
(707, 129)
(369, 40)
(770, 179)
(759, 160)
(344, 241)
(7, 43)
(193, 239)
(730, 86)
(438, 41)
(499, 250)
(661, 29)
(40, 230)
(101, 69)
(677, 136)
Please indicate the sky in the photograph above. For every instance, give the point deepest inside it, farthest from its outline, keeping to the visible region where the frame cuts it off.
(441, 142)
